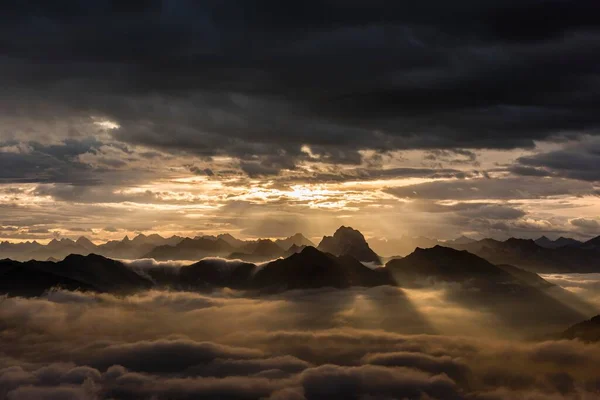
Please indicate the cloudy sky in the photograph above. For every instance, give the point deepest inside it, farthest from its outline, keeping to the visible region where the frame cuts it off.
(266, 118)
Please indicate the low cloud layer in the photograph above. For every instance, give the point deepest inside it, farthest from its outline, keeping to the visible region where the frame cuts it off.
(370, 343)
(586, 286)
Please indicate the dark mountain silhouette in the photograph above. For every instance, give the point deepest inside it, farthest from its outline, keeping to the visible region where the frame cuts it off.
(191, 249)
(560, 242)
(401, 246)
(348, 241)
(542, 255)
(264, 247)
(593, 243)
(544, 241)
(258, 251)
(511, 294)
(294, 249)
(136, 247)
(217, 273)
(309, 268)
(92, 272)
(588, 331)
(405, 245)
(86, 244)
(445, 264)
(155, 240)
(527, 277)
(7, 247)
(527, 254)
(564, 241)
(296, 240)
(312, 268)
(30, 279)
(517, 297)
(58, 249)
(101, 272)
(233, 241)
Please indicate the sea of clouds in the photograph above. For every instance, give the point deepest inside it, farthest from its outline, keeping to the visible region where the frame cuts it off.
(376, 343)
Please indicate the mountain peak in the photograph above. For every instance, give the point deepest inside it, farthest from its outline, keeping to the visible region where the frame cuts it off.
(297, 239)
(439, 249)
(348, 241)
(594, 240)
(588, 331)
(310, 250)
(231, 240)
(89, 257)
(446, 264)
(348, 233)
(83, 240)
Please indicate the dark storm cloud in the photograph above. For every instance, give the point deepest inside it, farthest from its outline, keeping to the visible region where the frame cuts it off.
(61, 163)
(380, 173)
(256, 80)
(34, 162)
(453, 156)
(472, 209)
(168, 356)
(200, 171)
(587, 225)
(93, 194)
(502, 188)
(579, 161)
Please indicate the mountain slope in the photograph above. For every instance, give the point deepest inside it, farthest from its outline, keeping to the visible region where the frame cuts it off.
(298, 240)
(92, 272)
(191, 249)
(594, 242)
(588, 331)
(528, 255)
(28, 280)
(312, 268)
(516, 297)
(348, 241)
(445, 264)
(258, 251)
(554, 244)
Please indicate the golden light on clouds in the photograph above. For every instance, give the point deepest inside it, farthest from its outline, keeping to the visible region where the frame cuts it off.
(183, 195)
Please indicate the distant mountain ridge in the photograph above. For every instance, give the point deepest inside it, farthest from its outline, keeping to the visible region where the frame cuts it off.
(517, 296)
(560, 242)
(307, 268)
(150, 246)
(540, 255)
(75, 272)
(527, 254)
(510, 293)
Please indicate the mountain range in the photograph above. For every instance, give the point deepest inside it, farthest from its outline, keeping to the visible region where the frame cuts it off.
(541, 255)
(530, 255)
(510, 293)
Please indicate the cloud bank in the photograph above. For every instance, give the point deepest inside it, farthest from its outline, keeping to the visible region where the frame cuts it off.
(302, 345)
